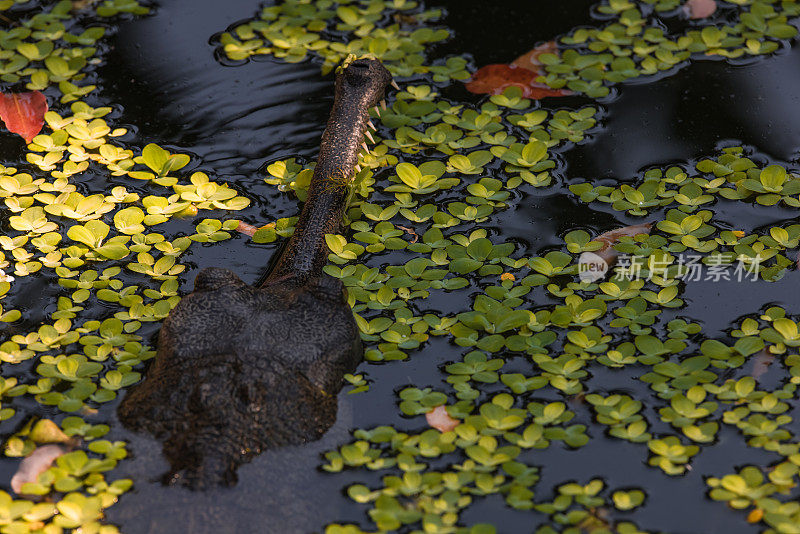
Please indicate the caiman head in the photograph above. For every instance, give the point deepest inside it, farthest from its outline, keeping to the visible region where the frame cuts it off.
(240, 369)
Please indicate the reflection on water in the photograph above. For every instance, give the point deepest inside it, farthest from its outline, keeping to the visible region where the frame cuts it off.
(279, 492)
(689, 114)
(162, 69)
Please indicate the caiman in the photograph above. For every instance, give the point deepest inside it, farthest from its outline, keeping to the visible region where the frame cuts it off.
(240, 369)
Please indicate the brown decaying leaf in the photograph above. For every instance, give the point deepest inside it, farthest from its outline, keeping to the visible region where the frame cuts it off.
(439, 419)
(411, 232)
(35, 464)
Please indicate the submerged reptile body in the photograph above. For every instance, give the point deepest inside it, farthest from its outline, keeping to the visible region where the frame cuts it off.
(241, 369)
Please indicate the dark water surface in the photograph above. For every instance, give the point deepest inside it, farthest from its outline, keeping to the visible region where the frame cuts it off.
(162, 73)
(689, 114)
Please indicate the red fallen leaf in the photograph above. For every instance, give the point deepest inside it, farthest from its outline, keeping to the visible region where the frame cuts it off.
(593, 266)
(494, 79)
(700, 9)
(35, 464)
(23, 113)
(530, 60)
(439, 419)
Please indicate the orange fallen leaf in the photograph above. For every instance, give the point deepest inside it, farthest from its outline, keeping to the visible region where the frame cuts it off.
(439, 419)
(507, 276)
(700, 9)
(35, 464)
(23, 113)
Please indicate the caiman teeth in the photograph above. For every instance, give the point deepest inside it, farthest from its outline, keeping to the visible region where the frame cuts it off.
(377, 111)
(358, 168)
(369, 136)
(394, 84)
(383, 104)
(371, 126)
(365, 147)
